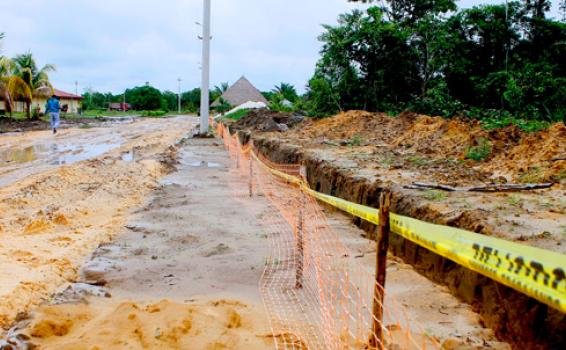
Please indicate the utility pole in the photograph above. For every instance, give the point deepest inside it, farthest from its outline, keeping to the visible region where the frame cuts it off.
(204, 93)
(179, 95)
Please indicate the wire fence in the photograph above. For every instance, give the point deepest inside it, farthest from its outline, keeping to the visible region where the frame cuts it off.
(317, 294)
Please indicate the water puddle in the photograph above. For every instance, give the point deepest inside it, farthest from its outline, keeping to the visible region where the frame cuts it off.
(18, 156)
(205, 164)
(54, 154)
(129, 156)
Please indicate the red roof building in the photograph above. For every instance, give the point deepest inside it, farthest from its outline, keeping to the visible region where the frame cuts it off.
(67, 95)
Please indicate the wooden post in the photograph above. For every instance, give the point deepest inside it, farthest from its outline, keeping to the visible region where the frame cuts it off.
(300, 243)
(251, 182)
(237, 153)
(376, 340)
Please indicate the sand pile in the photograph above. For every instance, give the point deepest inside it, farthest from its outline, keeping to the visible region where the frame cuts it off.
(222, 324)
(52, 221)
(266, 120)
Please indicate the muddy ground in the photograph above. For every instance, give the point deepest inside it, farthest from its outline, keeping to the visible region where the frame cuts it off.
(112, 255)
(9, 125)
(62, 195)
(412, 148)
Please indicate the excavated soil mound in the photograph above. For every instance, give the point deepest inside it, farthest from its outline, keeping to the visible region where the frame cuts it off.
(164, 325)
(368, 126)
(266, 120)
(526, 157)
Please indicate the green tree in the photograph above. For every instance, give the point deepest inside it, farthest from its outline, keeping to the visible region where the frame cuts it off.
(37, 79)
(485, 61)
(190, 100)
(171, 101)
(145, 98)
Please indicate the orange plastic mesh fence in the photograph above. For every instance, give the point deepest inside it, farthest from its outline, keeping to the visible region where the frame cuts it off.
(317, 294)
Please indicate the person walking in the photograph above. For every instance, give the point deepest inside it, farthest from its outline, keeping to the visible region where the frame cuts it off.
(53, 108)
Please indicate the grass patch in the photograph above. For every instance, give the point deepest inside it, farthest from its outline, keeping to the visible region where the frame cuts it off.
(533, 175)
(153, 114)
(239, 114)
(435, 196)
(514, 201)
(106, 113)
(355, 141)
(417, 160)
(480, 152)
(560, 177)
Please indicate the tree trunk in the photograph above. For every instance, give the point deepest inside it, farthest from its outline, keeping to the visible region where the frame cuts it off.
(28, 109)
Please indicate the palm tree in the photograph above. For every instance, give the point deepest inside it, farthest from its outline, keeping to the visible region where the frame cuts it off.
(36, 79)
(222, 88)
(286, 90)
(11, 87)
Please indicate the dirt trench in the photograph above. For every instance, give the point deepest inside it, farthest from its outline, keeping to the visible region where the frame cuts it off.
(514, 317)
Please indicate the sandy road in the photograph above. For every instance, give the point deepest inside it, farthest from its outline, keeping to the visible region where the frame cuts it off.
(53, 215)
(181, 270)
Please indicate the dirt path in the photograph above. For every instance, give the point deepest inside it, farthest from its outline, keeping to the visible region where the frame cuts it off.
(55, 215)
(184, 271)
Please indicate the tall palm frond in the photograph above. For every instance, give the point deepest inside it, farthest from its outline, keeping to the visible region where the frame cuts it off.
(12, 89)
(37, 80)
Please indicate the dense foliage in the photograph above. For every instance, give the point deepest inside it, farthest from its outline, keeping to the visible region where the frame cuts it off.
(147, 98)
(426, 56)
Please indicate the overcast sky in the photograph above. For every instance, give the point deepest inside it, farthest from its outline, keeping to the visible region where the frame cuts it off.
(109, 45)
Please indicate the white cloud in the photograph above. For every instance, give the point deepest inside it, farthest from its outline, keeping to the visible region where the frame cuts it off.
(111, 45)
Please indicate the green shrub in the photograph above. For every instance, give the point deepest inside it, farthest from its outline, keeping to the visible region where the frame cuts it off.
(224, 106)
(153, 113)
(237, 115)
(495, 119)
(480, 152)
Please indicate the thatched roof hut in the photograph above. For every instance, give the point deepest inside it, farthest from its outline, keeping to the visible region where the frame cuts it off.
(241, 92)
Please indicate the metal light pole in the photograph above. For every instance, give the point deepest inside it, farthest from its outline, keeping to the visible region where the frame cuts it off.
(179, 95)
(204, 94)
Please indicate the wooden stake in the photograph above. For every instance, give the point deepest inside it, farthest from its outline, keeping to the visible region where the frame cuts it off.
(251, 182)
(237, 154)
(376, 340)
(300, 244)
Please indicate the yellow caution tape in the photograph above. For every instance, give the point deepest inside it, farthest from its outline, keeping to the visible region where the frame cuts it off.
(535, 272)
(358, 210)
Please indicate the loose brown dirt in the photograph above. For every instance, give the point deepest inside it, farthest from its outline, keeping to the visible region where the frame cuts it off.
(416, 148)
(265, 120)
